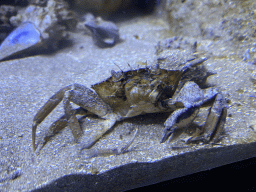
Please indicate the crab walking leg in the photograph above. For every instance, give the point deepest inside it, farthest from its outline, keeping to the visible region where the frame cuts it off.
(60, 124)
(193, 63)
(70, 116)
(215, 121)
(89, 100)
(46, 110)
(179, 119)
(124, 149)
(213, 117)
(108, 123)
(220, 126)
(107, 152)
(78, 94)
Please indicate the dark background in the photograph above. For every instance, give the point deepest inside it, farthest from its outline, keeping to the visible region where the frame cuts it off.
(239, 176)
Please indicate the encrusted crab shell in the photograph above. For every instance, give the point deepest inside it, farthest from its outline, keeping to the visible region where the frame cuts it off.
(124, 89)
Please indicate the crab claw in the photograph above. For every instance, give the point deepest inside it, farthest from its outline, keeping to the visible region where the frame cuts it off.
(178, 121)
(214, 124)
(167, 133)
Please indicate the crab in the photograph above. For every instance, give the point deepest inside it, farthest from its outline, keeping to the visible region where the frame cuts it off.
(135, 92)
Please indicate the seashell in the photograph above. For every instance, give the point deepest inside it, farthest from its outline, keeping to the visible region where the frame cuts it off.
(104, 33)
(21, 39)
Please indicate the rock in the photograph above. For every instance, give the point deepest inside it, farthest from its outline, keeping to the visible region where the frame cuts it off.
(101, 7)
(20, 40)
(43, 27)
(6, 11)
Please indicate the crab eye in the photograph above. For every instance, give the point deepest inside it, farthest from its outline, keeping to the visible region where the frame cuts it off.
(155, 69)
(113, 73)
(117, 75)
